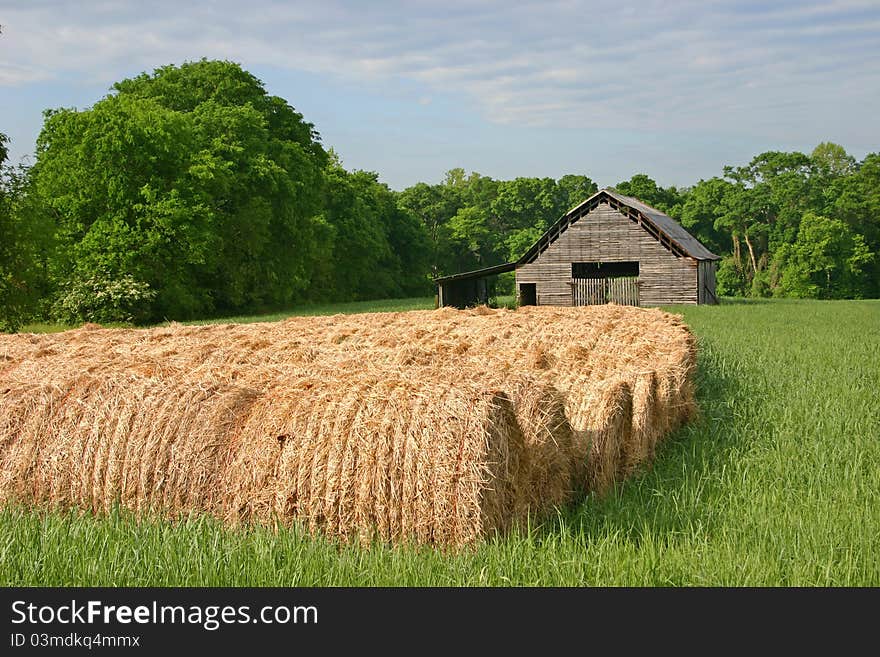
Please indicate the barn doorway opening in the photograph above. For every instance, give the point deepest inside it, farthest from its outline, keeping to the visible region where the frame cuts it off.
(528, 294)
(605, 282)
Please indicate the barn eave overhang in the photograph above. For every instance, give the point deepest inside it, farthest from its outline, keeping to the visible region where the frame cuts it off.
(477, 273)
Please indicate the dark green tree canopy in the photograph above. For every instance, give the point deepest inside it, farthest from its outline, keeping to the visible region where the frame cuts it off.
(26, 241)
(193, 181)
(475, 221)
(192, 191)
(640, 186)
(827, 260)
(186, 87)
(378, 248)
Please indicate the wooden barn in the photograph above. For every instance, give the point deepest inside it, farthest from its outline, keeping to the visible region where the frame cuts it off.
(608, 249)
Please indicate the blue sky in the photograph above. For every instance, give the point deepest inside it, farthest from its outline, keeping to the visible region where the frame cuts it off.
(411, 89)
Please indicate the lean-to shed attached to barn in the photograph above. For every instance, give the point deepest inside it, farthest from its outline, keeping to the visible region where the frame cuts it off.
(608, 249)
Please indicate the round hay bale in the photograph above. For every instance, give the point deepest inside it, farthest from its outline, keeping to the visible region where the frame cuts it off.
(605, 427)
(549, 446)
(143, 443)
(434, 426)
(399, 458)
(646, 424)
(26, 410)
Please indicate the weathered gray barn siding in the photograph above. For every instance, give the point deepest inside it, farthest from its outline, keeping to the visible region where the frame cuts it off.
(706, 282)
(606, 235)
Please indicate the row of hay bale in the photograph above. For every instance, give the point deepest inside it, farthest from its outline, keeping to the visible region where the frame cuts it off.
(437, 427)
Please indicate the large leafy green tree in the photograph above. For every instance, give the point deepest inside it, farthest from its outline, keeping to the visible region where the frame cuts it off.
(573, 189)
(193, 181)
(761, 211)
(191, 190)
(377, 249)
(831, 160)
(526, 207)
(25, 243)
(475, 221)
(527, 202)
(406, 264)
(701, 211)
(358, 240)
(827, 260)
(646, 189)
(469, 227)
(855, 200)
(433, 206)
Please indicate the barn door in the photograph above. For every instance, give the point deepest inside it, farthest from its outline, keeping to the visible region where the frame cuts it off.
(623, 290)
(596, 283)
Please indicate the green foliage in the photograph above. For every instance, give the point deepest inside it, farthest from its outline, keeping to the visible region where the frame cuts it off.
(826, 261)
(855, 200)
(103, 299)
(769, 197)
(832, 161)
(574, 189)
(703, 211)
(469, 227)
(730, 279)
(193, 180)
(753, 216)
(505, 285)
(528, 203)
(667, 200)
(749, 216)
(26, 241)
(473, 221)
(519, 241)
(376, 249)
(219, 198)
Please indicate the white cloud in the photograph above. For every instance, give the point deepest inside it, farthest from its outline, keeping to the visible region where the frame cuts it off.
(648, 65)
(12, 76)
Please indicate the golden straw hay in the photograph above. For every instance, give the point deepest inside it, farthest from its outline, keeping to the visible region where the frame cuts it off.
(433, 426)
(391, 456)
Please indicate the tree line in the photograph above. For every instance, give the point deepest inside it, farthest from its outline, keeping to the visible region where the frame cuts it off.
(786, 224)
(192, 192)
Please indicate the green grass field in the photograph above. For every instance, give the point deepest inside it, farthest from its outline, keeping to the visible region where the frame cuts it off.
(777, 483)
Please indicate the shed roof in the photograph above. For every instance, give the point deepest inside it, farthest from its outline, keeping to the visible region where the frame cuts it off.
(479, 273)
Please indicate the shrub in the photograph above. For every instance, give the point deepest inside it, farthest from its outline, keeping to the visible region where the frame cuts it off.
(730, 280)
(103, 299)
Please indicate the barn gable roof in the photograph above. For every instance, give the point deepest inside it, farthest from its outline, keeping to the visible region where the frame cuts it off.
(661, 226)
